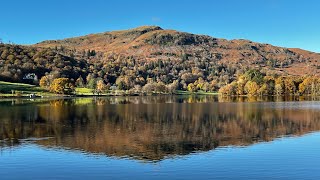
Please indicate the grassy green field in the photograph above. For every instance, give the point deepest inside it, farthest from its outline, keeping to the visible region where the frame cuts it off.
(84, 91)
(8, 89)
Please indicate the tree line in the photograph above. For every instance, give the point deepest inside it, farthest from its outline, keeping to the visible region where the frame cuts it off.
(255, 83)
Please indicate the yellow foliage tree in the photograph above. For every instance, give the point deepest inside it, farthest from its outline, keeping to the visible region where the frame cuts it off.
(310, 86)
(229, 89)
(199, 84)
(279, 86)
(251, 88)
(263, 90)
(61, 86)
(101, 86)
(290, 87)
(278, 89)
(192, 87)
(240, 85)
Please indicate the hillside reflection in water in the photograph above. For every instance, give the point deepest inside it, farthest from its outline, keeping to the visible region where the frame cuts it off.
(153, 128)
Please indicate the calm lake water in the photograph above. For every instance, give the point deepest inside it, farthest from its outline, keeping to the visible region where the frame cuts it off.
(164, 137)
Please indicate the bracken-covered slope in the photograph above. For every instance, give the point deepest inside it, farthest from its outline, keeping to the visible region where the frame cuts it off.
(149, 43)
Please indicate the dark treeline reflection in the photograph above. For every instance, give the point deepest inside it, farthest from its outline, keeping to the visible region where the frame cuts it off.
(153, 128)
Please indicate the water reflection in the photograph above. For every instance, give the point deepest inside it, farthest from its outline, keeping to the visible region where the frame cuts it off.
(153, 128)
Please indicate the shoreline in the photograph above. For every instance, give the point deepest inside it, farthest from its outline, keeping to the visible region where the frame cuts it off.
(37, 96)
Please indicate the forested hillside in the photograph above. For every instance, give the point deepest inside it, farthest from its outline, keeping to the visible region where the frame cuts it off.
(16, 62)
(149, 58)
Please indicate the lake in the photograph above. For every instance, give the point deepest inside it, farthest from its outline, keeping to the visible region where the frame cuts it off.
(161, 137)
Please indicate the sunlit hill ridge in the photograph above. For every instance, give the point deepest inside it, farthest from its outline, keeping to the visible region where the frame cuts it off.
(154, 43)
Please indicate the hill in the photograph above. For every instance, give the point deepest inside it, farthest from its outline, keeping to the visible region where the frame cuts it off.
(151, 43)
(152, 59)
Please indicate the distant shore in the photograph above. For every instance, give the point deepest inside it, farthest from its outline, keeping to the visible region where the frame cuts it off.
(117, 93)
(19, 90)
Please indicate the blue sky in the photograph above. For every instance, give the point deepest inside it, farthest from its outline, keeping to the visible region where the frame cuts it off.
(288, 23)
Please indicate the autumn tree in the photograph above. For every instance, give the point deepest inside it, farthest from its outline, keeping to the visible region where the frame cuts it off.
(263, 90)
(80, 82)
(161, 87)
(251, 88)
(172, 87)
(229, 89)
(44, 82)
(240, 85)
(310, 86)
(290, 87)
(270, 84)
(101, 86)
(213, 85)
(92, 83)
(124, 82)
(61, 86)
(254, 76)
(279, 86)
(199, 83)
(192, 87)
(149, 87)
(278, 89)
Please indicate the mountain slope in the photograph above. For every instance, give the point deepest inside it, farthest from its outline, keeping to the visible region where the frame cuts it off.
(153, 43)
(151, 59)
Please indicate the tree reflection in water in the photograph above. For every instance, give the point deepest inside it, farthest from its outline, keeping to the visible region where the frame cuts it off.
(153, 128)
